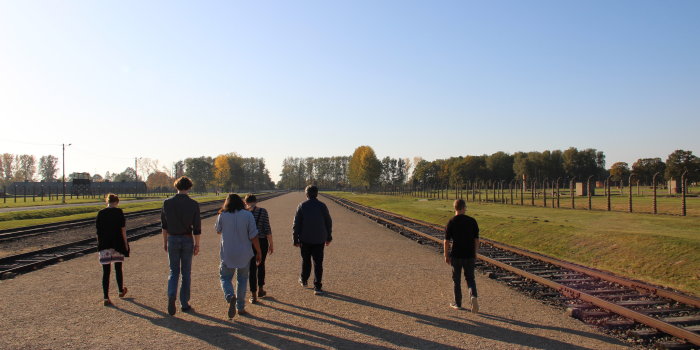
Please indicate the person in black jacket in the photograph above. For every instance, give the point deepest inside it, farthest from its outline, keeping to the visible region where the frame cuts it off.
(112, 244)
(462, 232)
(312, 232)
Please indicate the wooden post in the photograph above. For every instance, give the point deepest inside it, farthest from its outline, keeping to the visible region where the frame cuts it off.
(684, 190)
(607, 191)
(544, 192)
(629, 182)
(653, 184)
(588, 188)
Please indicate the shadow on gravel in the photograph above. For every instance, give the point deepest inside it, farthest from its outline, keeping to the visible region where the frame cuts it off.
(226, 335)
(471, 325)
(389, 336)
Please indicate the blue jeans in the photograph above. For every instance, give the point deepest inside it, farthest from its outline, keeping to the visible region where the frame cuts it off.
(180, 252)
(226, 275)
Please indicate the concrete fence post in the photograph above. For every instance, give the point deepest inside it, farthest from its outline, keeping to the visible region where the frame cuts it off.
(653, 184)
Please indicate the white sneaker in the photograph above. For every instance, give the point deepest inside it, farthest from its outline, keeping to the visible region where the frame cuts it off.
(475, 305)
(455, 306)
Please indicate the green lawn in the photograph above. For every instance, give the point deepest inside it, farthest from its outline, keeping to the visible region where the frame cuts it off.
(642, 203)
(53, 215)
(660, 249)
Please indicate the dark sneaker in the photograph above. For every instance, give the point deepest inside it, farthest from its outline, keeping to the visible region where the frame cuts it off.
(188, 308)
(253, 299)
(455, 306)
(242, 312)
(261, 293)
(303, 283)
(319, 291)
(107, 302)
(171, 306)
(231, 307)
(123, 292)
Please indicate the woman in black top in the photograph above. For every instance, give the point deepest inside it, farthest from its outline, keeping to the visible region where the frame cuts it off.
(112, 244)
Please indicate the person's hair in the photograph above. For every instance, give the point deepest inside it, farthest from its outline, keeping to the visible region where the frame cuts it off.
(232, 204)
(311, 191)
(460, 204)
(183, 183)
(249, 198)
(112, 198)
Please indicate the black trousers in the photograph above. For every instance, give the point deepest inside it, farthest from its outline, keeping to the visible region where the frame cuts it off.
(256, 275)
(105, 278)
(315, 252)
(468, 266)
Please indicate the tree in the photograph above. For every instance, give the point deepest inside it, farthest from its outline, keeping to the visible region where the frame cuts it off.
(222, 172)
(48, 168)
(469, 168)
(645, 168)
(178, 169)
(199, 170)
(680, 161)
(159, 180)
(583, 163)
(8, 161)
(97, 178)
(500, 165)
(365, 168)
(129, 174)
(619, 172)
(528, 165)
(26, 167)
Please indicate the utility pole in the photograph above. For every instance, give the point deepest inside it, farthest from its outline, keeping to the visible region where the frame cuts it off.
(64, 172)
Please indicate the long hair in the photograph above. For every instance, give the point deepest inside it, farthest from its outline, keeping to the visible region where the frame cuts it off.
(232, 204)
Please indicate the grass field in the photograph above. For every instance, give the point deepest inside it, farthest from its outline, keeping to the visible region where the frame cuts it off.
(53, 215)
(643, 203)
(660, 249)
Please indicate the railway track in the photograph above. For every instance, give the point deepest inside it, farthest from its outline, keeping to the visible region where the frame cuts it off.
(20, 232)
(641, 310)
(12, 265)
(26, 231)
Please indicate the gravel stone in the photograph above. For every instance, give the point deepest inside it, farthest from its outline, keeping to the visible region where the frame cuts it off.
(384, 291)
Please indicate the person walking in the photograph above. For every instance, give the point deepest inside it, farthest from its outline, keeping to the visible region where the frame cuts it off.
(463, 232)
(239, 236)
(112, 244)
(311, 233)
(182, 226)
(257, 272)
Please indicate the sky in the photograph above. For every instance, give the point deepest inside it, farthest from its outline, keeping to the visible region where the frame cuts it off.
(169, 80)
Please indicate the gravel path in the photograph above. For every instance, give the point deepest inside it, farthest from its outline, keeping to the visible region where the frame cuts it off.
(384, 291)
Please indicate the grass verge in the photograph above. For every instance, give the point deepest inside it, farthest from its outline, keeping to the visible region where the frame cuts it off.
(663, 250)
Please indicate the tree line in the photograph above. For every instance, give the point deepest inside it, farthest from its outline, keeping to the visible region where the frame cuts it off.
(24, 167)
(363, 170)
(226, 172)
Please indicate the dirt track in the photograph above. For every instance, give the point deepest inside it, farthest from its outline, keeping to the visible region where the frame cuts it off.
(384, 291)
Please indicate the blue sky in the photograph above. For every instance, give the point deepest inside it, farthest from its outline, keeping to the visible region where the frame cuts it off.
(174, 79)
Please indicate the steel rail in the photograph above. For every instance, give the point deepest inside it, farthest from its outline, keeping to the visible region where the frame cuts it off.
(607, 276)
(13, 233)
(15, 264)
(665, 327)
